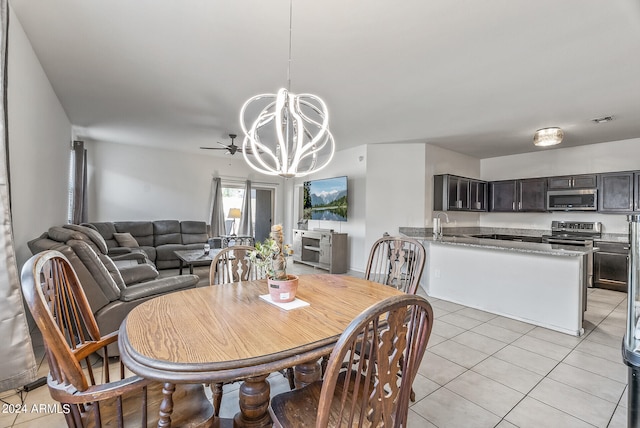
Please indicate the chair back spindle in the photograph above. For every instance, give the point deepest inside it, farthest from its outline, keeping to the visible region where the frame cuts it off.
(375, 389)
(93, 397)
(397, 262)
(232, 264)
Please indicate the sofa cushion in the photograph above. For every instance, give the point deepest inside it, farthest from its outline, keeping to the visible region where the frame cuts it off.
(126, 240)
(106, 229)
(166, 232)
(141, 230)
(166, 252)
(113, 271)
(64, 234)
(194, 232)
(61, 234)
(97, 269)
(92, 234)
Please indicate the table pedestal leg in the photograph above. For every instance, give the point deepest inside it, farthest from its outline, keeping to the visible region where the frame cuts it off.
(307, 373)
(166, 407)
(254, 403)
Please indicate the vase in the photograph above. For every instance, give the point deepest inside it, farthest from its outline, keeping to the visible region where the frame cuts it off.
(283, 290)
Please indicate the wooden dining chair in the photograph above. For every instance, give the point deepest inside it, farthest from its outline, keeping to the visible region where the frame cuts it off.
(93, 396)
(370, 392)
(396, 261)
(232, 264)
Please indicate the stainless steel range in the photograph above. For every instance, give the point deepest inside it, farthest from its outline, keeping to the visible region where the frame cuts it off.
(575, 234)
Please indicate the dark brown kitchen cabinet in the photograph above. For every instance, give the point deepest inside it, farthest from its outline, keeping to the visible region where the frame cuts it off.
(585, 181)
(527, 195)
(502, 196)
(532, 195)
(610, 265)
(616, 192)
(455, 193)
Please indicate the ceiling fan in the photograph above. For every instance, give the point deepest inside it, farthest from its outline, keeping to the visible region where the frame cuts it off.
(231, 149)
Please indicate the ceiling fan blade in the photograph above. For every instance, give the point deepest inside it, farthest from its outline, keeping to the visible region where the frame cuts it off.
(214, 148)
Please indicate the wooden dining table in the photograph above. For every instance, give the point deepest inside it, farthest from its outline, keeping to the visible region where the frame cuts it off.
(225, 333)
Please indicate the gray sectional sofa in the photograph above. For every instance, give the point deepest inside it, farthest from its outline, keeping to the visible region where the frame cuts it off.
(116, 279)
(159, 238)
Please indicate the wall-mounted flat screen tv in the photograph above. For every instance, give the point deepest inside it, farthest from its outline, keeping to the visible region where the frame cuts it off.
(325, 199)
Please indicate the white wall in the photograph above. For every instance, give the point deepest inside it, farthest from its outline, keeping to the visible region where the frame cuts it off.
(138, 183)
(613, 156)
(395, 189)
(39, 145)
(442, 161)
(352, 163)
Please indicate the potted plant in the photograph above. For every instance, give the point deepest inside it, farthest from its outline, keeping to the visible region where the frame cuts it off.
(270, 257)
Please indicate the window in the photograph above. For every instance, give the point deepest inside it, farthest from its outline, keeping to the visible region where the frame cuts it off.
(262, 202)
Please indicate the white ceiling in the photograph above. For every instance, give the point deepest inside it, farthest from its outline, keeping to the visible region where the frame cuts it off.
(476, 77)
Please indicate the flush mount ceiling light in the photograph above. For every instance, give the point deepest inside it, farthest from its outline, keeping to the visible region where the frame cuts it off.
(548, 137)
(290, 136)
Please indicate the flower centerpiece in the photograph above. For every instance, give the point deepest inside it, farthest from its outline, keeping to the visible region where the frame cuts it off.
(270, 257)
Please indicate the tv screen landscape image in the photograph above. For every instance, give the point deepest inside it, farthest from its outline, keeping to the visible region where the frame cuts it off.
(325, 199)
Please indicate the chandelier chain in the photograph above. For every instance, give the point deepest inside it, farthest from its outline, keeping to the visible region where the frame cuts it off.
(290, 44)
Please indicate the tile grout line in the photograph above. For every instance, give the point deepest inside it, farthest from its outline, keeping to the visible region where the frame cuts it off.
(511, 343)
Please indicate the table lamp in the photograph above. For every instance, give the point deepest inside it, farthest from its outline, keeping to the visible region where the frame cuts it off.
(234, 213)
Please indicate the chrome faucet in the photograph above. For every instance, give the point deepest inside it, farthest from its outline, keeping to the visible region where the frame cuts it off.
(437, 225)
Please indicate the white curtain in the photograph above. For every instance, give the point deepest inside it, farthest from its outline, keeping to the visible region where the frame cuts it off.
(17, 362)
(216, 219)
(246, 225)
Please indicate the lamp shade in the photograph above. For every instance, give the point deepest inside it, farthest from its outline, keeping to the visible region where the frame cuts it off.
(234, 213)
(548, 137)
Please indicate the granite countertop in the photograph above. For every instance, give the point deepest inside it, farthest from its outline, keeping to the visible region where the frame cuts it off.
(461, 237)
(517, 246)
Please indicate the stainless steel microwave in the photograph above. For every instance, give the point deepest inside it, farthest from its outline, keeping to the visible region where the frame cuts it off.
(572, 200)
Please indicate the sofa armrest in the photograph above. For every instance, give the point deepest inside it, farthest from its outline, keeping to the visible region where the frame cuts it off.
(116, 251)
(158, 286)
(138, 273)
(133, 254)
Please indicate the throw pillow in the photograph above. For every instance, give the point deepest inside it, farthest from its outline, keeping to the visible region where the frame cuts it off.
(126, 240)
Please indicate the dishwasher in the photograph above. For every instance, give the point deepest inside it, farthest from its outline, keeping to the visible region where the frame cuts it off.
(610, 265)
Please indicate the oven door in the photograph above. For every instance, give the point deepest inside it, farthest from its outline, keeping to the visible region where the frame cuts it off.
(572, 200)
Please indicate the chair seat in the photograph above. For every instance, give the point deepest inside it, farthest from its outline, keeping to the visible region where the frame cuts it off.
(299, 408)
(191, 408)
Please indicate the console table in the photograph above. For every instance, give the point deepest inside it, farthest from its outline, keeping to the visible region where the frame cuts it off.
(323, 249)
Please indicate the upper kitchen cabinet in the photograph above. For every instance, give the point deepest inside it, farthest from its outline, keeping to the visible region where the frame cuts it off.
(527, 195)
(615, 192)
(503, 196)
(587, 181)
(532, 194)
(455, 193)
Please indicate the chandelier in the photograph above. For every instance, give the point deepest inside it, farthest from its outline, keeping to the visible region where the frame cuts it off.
(290, 134)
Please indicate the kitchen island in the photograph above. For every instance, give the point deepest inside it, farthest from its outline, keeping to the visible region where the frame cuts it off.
(541, 284)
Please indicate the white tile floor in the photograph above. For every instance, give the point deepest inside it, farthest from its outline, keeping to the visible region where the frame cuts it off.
(482, 370)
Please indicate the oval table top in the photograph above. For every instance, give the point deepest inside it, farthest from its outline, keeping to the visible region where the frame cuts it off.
(227, 332)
